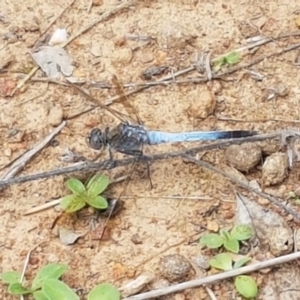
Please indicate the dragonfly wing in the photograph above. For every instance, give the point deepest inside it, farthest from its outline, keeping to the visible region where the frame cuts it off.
(130, 109)
(95, 101)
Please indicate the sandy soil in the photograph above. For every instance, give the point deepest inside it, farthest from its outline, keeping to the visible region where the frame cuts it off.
(148, 33)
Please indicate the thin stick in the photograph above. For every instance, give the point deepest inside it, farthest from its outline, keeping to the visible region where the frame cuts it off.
(103, 17)
(107, 165)
(170, 78)
(272, 199)
(32, 72)
(20, 163)
(53, 21)
(214, 278)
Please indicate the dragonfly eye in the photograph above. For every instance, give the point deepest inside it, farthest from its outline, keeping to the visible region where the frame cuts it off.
(96, 139)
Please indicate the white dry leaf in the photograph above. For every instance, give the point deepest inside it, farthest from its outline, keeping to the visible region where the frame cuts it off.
(54, 61)
(136, 285)
(68, 237)
(270, 228)
(59, 36)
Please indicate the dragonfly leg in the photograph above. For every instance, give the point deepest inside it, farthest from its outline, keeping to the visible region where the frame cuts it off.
(149, 174)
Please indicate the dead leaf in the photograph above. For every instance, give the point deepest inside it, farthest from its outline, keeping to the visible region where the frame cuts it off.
(53, 61)
(68, 237)
(136, 285)
(270, 228)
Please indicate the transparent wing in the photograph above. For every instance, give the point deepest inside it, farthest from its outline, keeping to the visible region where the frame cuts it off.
(117, 114)
(130, 109)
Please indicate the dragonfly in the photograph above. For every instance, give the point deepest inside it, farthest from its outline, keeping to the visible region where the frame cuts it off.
(129, 136)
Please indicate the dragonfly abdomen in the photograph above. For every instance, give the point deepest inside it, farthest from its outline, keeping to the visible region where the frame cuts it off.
(159, 137)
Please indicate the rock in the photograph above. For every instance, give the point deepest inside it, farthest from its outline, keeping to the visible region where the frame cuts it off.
(122, 56)
(281, 240)
(269, 147)
(175, 267)
(203, 106)
(275, 169)
(243, 157)
(55, 116)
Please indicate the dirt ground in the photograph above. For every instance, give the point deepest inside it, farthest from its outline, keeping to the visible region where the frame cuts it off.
(185, 200)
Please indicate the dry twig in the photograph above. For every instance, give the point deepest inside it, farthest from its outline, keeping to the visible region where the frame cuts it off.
(269, 197)
(19, 163)
(214, 278)
(107, 165)
(103, 17)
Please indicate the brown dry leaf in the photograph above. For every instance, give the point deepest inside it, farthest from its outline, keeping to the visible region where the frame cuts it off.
(6, 87)
(101, 232)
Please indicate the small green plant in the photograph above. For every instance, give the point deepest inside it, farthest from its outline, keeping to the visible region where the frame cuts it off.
(85, 194)
(47, 286)
(230, 59)
(229, 240)
(245, 285)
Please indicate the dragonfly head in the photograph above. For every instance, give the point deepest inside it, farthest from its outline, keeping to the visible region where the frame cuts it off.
(96, 139)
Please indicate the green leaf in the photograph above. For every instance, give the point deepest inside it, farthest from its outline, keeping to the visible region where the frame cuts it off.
(97, 185)
(39, 295)
(55, 289)
(241, 262)
(72, 203)
(76, 186)
(11, 277)
(232, 245)
(233, 58)
(50, 271)
(221, 261)
(246, 286)
(212, 240)
(219, 64)
(225, 234)
(16, 288)
(242, 232)
(97, 202)
(104, 291)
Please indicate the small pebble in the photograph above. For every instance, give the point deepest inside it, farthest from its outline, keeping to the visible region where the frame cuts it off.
(55, 116)
(202, 261)
(243, 157)
(203, 106)
(175, 267)
(275, 169)
(136, 239)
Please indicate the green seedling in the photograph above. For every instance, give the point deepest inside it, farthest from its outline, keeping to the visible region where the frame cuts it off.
(230, 59)
(48, 275)
(83, 195)
(47, 286)
(245, 285)
(229, 240)
(104, 291)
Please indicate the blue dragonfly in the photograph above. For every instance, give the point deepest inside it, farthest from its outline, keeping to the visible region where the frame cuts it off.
(129, 136)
